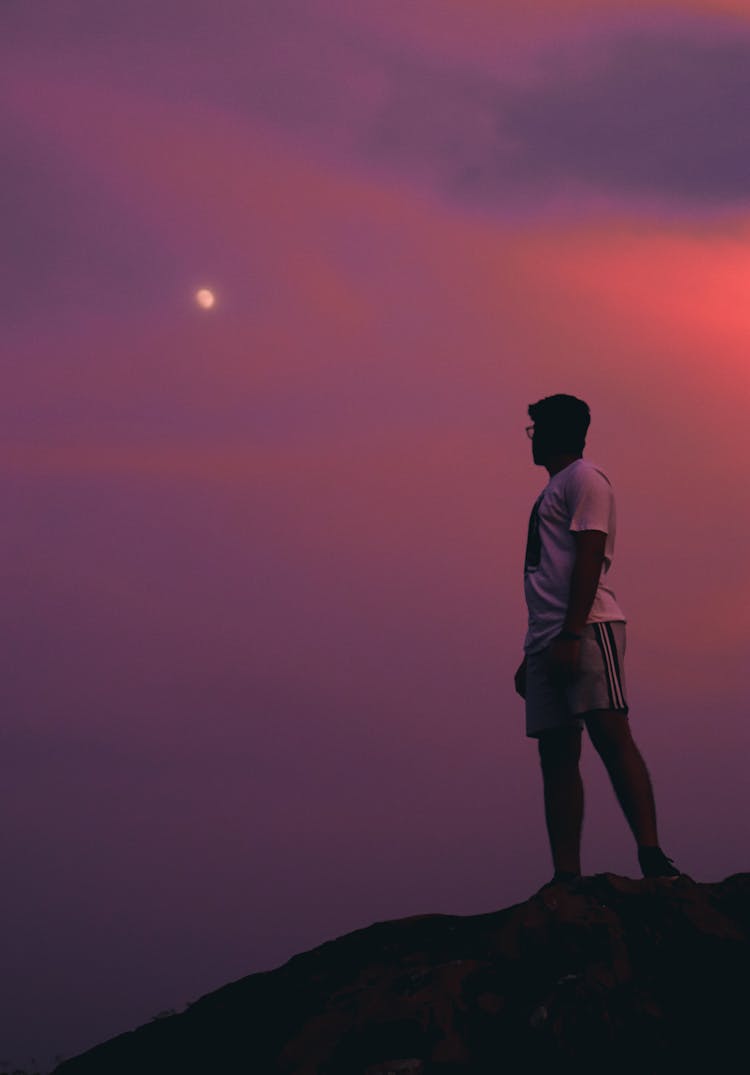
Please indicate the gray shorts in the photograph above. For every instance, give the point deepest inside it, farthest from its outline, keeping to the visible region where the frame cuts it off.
(598, 684)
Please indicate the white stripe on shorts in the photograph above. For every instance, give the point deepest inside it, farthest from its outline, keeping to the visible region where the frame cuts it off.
(611, 667)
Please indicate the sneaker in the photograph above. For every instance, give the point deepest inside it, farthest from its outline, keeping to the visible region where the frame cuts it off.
(654, 863)
(561, 877)
(565, 875)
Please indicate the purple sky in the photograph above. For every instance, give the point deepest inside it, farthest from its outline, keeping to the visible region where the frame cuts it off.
(263, 585)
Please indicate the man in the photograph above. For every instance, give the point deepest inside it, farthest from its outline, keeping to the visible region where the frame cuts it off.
(573, 668)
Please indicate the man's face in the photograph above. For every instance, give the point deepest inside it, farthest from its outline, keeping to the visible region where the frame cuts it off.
(539, 446)
(547, 443)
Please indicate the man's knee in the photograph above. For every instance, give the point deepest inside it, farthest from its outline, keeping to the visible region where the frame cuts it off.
(560, 747)
(609, 730)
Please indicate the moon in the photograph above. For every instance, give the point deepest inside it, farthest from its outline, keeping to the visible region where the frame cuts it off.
(205, 298)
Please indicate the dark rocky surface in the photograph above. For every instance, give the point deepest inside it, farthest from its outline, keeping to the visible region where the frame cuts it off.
(609, 975)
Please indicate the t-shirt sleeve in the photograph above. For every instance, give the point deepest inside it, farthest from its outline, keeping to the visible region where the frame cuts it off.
(590, 501)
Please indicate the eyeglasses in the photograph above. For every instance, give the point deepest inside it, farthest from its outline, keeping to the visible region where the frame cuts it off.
(530, 432)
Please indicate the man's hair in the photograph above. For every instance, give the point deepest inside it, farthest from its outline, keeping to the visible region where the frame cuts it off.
(561, 422)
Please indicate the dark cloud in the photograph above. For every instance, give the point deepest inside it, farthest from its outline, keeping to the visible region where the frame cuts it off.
(645, 114)
(648, 115)
(663, 115)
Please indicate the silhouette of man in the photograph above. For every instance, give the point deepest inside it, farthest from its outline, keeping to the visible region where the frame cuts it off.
(573, 671)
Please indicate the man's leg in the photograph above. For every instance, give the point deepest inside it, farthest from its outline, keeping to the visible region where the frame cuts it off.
(610, 734)
(559, 753)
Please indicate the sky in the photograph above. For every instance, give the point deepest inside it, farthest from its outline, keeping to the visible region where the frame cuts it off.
(263, 562)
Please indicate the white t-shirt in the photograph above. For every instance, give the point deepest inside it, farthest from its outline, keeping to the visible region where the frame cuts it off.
(578, 497)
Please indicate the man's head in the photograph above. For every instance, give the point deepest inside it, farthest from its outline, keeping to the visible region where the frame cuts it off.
(560, 426)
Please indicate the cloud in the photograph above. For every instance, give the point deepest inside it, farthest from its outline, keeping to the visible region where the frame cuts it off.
(662, 114)
(651, 111)
(630, 116)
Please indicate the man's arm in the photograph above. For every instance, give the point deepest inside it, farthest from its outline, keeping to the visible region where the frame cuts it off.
(584, 580)
(564, 653)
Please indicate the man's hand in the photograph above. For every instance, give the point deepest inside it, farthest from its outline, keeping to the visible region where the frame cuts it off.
(520, 678)
(563, 659)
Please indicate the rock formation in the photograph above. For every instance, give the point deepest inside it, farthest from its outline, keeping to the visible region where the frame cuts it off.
(607, 975)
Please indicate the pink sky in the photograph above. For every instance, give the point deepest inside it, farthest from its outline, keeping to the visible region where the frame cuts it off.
(263, 588)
